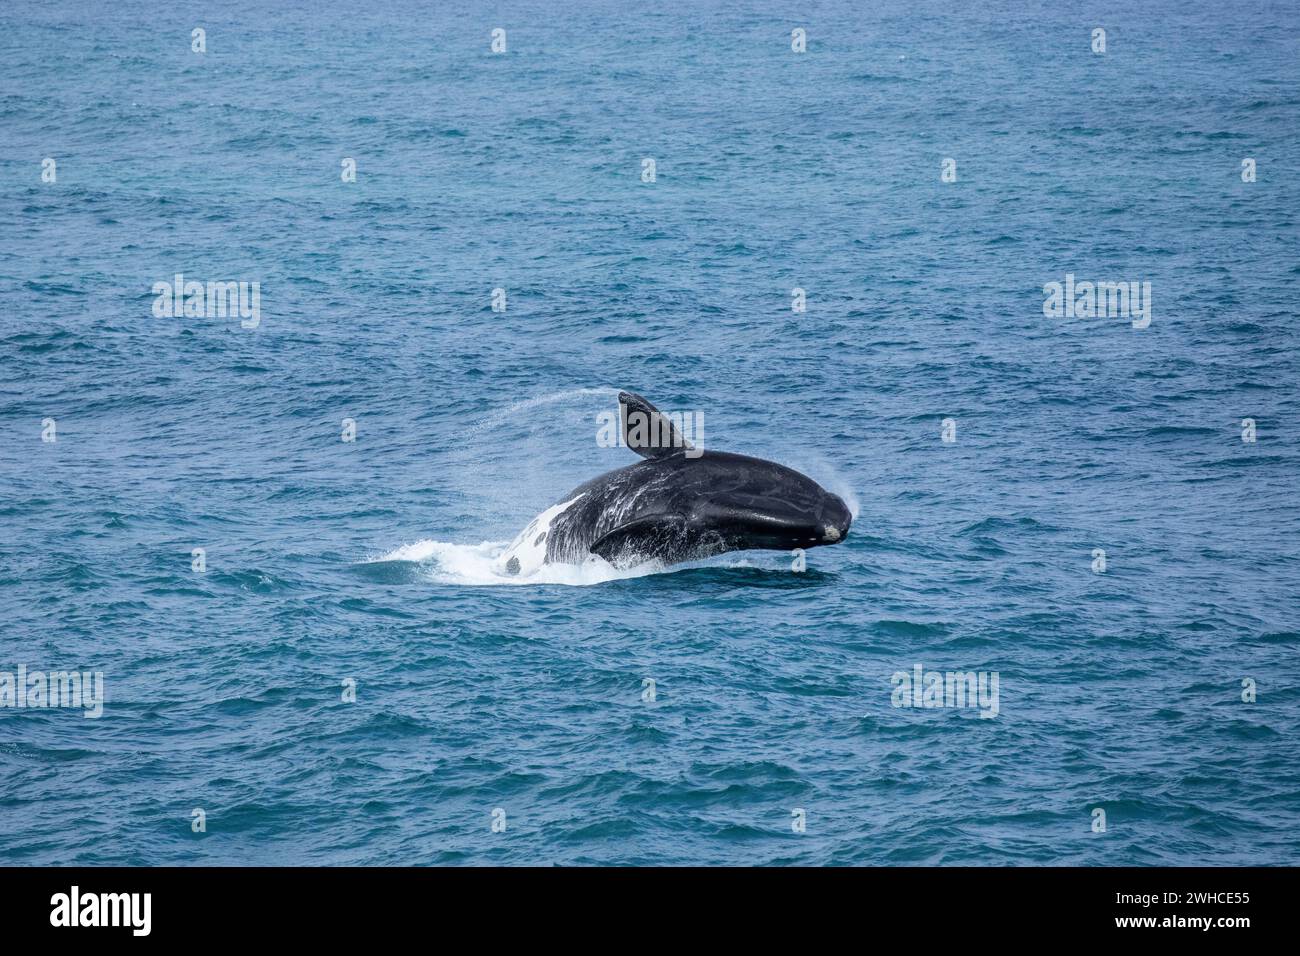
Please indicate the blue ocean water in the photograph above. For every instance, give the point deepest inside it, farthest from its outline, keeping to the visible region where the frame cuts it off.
(368, 561)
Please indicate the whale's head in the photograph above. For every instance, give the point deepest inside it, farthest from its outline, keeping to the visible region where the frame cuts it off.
(752, 503)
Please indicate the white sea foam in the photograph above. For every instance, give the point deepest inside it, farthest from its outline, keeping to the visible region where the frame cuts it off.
(479, 564)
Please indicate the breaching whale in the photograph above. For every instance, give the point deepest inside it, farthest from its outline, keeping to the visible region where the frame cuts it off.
(679, 504)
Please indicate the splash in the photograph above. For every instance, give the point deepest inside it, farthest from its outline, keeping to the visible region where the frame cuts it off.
(825, 472)
(511, 412)
(838, 485)
(480, 564)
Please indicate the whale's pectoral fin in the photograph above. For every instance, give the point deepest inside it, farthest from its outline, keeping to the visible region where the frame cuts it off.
(656, 536)
(646, 430)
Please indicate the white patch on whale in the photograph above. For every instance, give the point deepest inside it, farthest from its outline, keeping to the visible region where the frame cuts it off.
(529, 547)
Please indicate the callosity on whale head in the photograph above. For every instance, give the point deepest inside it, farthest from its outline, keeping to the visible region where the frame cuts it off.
(680, 503)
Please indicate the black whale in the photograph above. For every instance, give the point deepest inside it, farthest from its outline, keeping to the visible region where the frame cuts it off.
(679, 504)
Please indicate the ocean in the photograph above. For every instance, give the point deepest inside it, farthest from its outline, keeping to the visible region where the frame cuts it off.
(272, 532)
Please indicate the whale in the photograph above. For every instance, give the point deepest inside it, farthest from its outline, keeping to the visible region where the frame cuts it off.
(678, 503)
